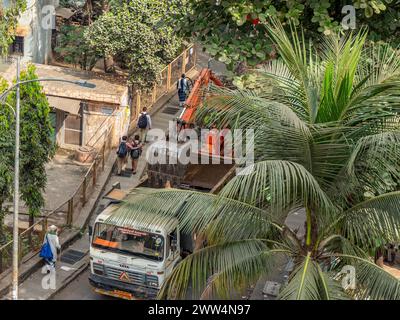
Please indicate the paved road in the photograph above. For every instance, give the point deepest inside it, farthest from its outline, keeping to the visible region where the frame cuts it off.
(80, 289)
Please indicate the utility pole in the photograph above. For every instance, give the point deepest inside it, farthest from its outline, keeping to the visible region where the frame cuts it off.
(16, 192)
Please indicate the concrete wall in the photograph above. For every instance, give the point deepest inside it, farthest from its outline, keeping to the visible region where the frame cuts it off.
(98, 119)
(37, 42)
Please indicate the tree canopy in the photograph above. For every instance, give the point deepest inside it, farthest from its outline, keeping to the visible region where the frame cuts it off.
(36, 145)
(235, 31)
(135, 33)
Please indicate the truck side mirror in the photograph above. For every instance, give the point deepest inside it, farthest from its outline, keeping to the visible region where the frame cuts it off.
(90, 231)
(174, 244)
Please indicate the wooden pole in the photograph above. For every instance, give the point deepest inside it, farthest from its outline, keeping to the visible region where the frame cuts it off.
(84, 191)
(184, 61)
(103, 156)
(169, 77)
(94, 172)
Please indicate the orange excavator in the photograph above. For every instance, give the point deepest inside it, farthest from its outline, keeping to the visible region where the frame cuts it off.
(204, 176)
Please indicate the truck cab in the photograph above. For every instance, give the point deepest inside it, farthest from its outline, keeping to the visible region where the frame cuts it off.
(131, 260)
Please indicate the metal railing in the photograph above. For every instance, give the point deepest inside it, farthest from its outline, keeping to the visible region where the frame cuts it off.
(183, 63)
(31, 239)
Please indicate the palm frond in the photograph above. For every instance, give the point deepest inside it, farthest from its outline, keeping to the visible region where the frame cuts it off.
(309, 282)
(375, 156)
(244, 109)
(373, 222)
(373, 282)
(195, 211)
(280, 185)
(215, 271)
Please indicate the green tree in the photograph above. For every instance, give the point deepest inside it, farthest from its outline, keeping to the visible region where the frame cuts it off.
(73, 48)
(6, 160)
(36, 146)
(235, 32)
(135, 33)
(8, 23)
(327, 141)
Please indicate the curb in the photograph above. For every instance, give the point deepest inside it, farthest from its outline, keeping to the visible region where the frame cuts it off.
(70, 278)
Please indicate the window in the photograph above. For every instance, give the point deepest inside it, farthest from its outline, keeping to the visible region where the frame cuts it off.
(17, 47)
(172, 238)
(53, 120)
(73, 129)
(129, 241)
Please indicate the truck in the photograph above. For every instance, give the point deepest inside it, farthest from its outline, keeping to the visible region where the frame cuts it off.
(129, 259)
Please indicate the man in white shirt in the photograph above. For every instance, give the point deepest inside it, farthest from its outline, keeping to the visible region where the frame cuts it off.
(144, 124)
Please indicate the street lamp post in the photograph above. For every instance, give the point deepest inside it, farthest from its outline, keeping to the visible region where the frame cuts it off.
(17, 85)
(16, 194)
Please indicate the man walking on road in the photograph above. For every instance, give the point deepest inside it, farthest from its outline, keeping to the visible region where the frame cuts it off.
(182, 86)
(144, 124)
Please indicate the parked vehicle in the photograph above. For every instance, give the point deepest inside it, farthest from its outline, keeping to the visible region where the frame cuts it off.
(129, 260)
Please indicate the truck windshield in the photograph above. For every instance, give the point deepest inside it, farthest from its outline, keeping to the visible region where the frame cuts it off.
(130, 241)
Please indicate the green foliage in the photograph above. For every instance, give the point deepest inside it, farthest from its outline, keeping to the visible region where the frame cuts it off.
(136, 33)
(235, 32)
(8, 23)
(74, 49)
(36, 146)
(325, 135)
(6, 155)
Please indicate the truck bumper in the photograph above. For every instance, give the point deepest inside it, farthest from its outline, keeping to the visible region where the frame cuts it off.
(112, 287)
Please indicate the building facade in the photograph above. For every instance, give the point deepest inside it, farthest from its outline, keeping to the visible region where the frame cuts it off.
(34, 31)
(83, 117)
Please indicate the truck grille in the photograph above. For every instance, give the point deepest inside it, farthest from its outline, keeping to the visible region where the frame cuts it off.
(118, 274)
(134, 277)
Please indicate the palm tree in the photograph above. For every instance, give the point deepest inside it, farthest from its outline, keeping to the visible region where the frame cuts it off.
(327, 141)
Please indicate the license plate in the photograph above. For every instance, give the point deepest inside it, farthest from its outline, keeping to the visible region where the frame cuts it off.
(123, 294)
(115, 293)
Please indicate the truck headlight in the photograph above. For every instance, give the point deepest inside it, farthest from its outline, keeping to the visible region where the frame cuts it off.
(152, 281)
(152, 284)
(98, 268)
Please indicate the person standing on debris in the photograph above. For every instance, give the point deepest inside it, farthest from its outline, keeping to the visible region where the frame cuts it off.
(144, 124)
(51, 242)
(135, 151)
(122, 154)
(183, 88)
